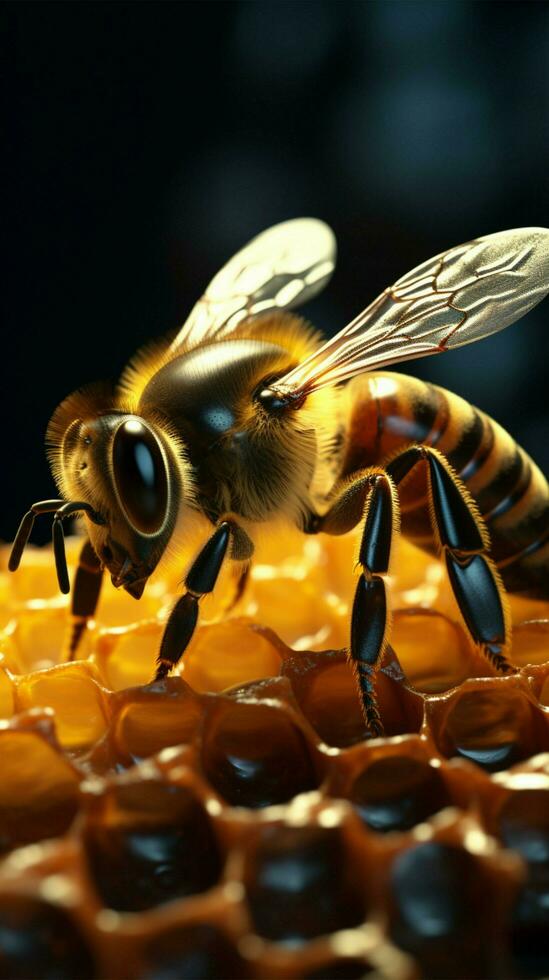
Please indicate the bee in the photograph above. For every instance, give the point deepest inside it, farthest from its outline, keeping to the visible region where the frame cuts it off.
(246, 417)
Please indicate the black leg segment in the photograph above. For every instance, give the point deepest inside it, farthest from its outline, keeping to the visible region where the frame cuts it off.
(375, 495)
(368, 634)
(178, 633)
(199, 581)
(465, 542)
(479, 597)
(463, 538)
(85, 596)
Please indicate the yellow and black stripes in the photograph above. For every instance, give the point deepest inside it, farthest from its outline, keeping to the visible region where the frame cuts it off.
(388, 412)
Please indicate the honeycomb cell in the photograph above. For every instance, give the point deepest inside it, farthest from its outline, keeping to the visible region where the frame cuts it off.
(493, 724)
(193, 952)
(117, 608)
(148, 842)
(36, 577)
(432, 650)
(326, 691)
(126, 656)
(288, 604)
(440, 912)
(524, 827)
(397, 792)
(325, 688)
(149, 719)
(38, 633)
(254, 755)
(40, 941)
(39, 787)
(300, 883)
(226, 654)
(73, 693)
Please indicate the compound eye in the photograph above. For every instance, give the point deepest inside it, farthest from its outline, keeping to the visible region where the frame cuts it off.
(140, 476)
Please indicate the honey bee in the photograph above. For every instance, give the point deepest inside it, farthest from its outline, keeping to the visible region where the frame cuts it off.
(246, 417)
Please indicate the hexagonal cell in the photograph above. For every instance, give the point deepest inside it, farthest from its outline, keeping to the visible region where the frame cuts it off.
(397, 792)
(433, 651)
(440, 913)
(41, 941)
(493, 723)
(126, 656)
(148, 719)
(225, 654)
(39, 787)
(255, 754)
(301, 882)
(147, 842)
(325, 688)
(38, 632)
(73, 693)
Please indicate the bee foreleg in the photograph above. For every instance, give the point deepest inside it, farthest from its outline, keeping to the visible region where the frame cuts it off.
(85, 596)
(199, 581)
(374, 496)
(464, 540)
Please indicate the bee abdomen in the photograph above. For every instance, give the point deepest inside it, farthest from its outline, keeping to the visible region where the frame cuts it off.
(391, 411)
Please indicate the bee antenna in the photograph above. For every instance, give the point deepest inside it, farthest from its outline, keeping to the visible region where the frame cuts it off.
(61, 510)
(72, 507)
(21, 538)
(25, 528)
(60, 555)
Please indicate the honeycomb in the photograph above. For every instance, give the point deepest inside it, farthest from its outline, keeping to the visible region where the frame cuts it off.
(234, 820)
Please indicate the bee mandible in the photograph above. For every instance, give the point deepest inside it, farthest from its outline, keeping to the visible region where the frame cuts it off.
(246, 417)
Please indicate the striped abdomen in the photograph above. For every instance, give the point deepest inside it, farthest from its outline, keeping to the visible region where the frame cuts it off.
(388, 412)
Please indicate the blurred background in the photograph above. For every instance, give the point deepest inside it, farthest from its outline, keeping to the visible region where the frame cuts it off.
(147, 142)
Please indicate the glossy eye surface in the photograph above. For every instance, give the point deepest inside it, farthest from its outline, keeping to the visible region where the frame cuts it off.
(140, 476)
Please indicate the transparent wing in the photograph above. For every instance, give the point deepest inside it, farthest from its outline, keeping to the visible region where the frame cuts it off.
(457, 297)
(284, 266)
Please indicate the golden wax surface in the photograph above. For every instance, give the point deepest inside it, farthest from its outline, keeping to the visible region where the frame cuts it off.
(237, 815)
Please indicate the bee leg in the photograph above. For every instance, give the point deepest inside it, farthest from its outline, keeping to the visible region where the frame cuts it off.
(85, 596)
(374, 496)
(199, 581)
(465, 542)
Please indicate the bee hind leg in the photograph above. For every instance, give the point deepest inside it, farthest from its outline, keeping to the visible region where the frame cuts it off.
(371, 495)
(199, 581)
(464, 540)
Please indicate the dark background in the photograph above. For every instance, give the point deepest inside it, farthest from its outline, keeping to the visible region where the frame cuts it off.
(145, 143)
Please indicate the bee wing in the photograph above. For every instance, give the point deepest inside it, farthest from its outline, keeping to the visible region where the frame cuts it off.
(457, 297)
(282, 267)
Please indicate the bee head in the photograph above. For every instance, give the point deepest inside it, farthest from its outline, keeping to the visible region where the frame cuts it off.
(126, 469)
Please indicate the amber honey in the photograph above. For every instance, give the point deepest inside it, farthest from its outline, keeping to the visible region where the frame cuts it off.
(235, 820)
